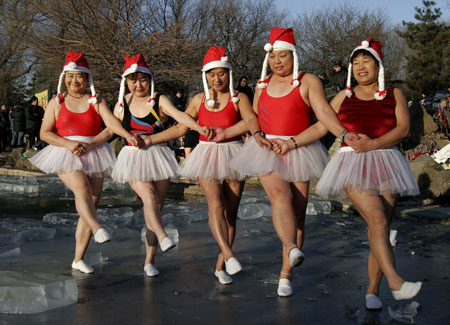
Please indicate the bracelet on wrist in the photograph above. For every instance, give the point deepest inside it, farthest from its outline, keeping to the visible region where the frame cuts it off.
(343, 133)
(261, 133)
(295, 143)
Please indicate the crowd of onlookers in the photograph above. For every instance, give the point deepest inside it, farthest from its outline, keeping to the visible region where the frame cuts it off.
(20, 125)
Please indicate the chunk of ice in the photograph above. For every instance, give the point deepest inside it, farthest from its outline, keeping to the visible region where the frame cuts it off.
(172, 233)
(254, 210)
(96, 259)
(311, 209)
(11, 253)
(404, 313)
(30, 293)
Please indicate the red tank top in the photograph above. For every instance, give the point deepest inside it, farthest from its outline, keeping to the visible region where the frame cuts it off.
(371, 117)
(85, 124)
(287, 115)
(224, 118)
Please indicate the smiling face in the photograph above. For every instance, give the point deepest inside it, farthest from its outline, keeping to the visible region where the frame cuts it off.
(365, 68)
(139, 84)
(281, 62)
(218, 79)
(76, 82)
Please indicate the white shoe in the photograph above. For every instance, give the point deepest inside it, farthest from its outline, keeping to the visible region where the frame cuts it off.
(82, 267)
(150, 270)
(285, 288)
(296, 257)
(407, 291)
(373, 302)
(223, 277)
(102, 236)
(233, 266)
(166, 244)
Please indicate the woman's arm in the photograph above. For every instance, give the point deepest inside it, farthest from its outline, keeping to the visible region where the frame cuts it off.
(166, 106)
(313, 92)
(179, 129)
(114, 124)
(394, 136)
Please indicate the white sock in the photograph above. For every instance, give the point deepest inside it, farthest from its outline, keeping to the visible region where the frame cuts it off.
(150, 270)
(373, 302)
(102, 236)
(407, 291)
(285, 288)
(296, 257)
(166, 244)
(233, 266)
(223, 277)
(82, 267)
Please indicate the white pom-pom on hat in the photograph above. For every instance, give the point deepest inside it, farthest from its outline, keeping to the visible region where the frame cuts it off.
(224, 59)
(365, 44)
(235, 99)
(210, 102)
(71, 65)
(295, 83)
(268, 47)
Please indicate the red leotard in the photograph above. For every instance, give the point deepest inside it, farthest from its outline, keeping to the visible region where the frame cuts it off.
(85, 124)
(287, 115)
(371, 117)
(224, 118)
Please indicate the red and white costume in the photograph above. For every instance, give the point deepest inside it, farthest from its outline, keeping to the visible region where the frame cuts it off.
(372, 172)
(77, 127)
(211, 160)
(282, 117)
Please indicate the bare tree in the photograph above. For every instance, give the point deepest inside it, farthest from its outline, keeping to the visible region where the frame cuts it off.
(332, 33)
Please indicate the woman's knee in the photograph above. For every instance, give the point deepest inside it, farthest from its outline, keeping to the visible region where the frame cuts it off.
(378, 222)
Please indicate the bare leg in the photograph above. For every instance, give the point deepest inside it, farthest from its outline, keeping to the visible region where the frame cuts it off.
(232, 192)
(216, 213)
(151, 243)
(79, 184)
(374, 269)
(83, 233)
(300, 194)
(152, 214)
(283, 215)
(372, 209)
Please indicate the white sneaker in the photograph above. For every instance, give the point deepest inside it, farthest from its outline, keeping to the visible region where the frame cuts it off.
(296, 257)
(285, 288)
(102, 236)
(223, 277)
(166, 244)
(150, 270)
(82, 267)
(233, 266)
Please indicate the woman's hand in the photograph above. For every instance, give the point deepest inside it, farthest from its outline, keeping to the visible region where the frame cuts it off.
(263, 142)
(219, 134)
(77, 148)
(280, 146)
(208, 133)
(363, 144)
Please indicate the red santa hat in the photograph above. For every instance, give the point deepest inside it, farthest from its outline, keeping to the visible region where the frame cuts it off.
(216, 57)
(135, 64)
(373, 47)
(280, 39)
(77, 62)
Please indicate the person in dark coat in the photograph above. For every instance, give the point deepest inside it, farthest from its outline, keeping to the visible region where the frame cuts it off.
(4, 128)
(243, 87)
(34, 114)
(19, 121)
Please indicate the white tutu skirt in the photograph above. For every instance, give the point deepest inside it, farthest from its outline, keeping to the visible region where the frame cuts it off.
(95, 163)
(297, 165)
(211, 160)
(373, 172)
(154, 163)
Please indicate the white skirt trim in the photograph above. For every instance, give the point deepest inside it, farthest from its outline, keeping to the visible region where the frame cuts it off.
(211, 160)
(297, 165)
(95, 163)
(154, 163)
(374, 172)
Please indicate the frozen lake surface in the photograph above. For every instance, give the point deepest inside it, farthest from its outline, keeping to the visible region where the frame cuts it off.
(37, 223)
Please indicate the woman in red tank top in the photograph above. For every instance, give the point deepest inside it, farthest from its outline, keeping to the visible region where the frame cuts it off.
(285, 103)
(78, 152)
(221, 109)
(373, 173)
